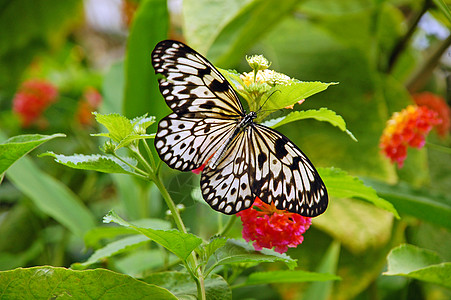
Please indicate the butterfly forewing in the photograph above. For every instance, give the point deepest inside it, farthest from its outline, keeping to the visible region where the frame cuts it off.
(251, 160)
(284, 175)
(187, 143)
(191, 85)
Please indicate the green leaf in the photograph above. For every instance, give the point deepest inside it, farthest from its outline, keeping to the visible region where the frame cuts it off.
(94, 162)
(214, 244)
(443, 7)
(237, 251)
(51, 196)
(60, 283)
(132, 137)
(15, 147)
(341, 185)
(422, 204)
(150, 25)
(122, 130)
(328, 264)
(288, 277)
(183, 286)
(119, 127)
(240, 27)
(140, 261)
(413, 262)
(287, 95)
(323, 114)
(179, 243)
(113, 248)
(93, 236)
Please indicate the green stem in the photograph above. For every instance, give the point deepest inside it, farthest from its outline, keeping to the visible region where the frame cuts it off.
(149, 153)
(192, 259)
(142, 160)
(140, 173)
(402, 44)
(191, 263)
(439, 148)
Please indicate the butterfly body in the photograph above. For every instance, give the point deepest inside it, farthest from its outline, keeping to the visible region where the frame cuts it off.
(209, 128)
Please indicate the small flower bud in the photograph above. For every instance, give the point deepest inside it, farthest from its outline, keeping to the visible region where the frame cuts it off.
(279, 79)
(109, 147)
(140, 130)
(258, 62)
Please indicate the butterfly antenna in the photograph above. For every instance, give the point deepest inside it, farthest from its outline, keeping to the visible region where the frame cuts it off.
(259, 110)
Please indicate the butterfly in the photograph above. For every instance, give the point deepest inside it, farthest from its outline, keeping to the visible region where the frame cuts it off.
(209, 128)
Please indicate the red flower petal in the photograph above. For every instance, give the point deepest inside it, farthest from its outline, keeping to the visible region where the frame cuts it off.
(270, 228)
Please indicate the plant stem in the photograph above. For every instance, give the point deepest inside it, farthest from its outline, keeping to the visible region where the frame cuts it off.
(142, 160)
(191, 263)
(402, 44)
(420, 76)
(192, 259)
(149, 153)
(140, 173)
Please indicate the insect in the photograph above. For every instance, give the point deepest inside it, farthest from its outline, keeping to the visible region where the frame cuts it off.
(242, 159)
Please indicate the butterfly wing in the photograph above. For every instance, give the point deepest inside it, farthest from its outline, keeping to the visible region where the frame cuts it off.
(262, 162)
(282, 174)
(191, 85)
(186, 143)
(227, 187)
(205, 107)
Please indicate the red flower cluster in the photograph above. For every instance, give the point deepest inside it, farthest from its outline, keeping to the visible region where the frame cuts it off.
(269, 227)
(439, 105)
(90, 101)
(32, 99)
(407, 128)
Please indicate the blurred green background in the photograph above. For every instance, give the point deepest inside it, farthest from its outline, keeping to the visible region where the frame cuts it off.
(381, 52)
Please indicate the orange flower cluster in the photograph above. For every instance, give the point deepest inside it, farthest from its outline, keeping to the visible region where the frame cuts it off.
(407, 128)
(32, 99)
(269, 227)
(439, 105)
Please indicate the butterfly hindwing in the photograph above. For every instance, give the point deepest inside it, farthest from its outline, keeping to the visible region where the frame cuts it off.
(284, 175)
(227, 187)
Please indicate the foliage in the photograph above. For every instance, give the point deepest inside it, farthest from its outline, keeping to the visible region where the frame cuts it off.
(386, 231)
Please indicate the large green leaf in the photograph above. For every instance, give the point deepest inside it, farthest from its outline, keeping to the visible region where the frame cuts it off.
(341, 185)
(323, 114)
(288, 277)
(179, 243)
(245, 28)
(94, 162)
(113, 248)
(60, 283)
(51, 196)
(420, 203)
(15, 147)
(411, 261)
(236, 251)
(150, 25)
(290, 94)
(183, 286)
(323, 290)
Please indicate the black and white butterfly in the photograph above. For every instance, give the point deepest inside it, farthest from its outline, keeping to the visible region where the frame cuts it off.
(209, 127)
